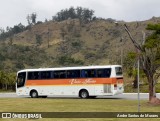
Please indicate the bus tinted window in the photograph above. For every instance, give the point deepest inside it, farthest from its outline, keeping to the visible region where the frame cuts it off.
(73, 73)
(88, 73)
(45, 74)
(59, 74)
(21, 79)
(34, 75)
(118, 71)
(104, 72)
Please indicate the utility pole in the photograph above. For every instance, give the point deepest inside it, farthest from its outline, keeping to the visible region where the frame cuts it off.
(122, 43)
(138, 48)
(48, 37)
(121, 55)
(138, 84)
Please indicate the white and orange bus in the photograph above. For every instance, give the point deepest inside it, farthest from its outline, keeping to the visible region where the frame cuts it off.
(86, 81)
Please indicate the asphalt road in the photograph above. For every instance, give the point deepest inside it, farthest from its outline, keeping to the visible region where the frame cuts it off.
(128, 96)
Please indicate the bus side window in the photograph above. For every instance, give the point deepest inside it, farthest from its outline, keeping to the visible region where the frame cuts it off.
(45, 74)
(103, 72)
(69, 73)
(77, 73)
(34, 75)
(59, 74)
(73, 73)
(62, 74)
(55, 74)
(83, 73)
(99, 73)
(91, 73)
(30, 75)
(52, 74)
(108, 72)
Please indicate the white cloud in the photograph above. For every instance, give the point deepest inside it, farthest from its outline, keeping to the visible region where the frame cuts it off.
(13, 12)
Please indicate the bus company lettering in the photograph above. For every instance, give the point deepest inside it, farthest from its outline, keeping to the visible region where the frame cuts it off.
(86, 81)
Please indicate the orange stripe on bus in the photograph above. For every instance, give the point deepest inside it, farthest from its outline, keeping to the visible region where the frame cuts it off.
(74, 81)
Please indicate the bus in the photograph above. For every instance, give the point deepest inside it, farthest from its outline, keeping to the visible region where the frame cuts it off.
(83, 82)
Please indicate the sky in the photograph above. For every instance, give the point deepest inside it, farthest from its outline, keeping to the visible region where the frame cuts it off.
(13, 12)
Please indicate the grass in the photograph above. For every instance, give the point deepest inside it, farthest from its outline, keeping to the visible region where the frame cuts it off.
(74, 105)
(6, 91)
(143, 88)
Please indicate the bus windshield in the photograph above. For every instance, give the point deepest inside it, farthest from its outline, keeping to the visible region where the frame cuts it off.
(21, 79)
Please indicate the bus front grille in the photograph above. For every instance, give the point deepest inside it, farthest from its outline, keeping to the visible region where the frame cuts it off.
(107, 88)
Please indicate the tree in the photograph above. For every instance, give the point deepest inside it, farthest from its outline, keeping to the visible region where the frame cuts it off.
(1, 79)
(4, 80)
(130, 67)
(12, 79)
(87, 15)
(28, 19)
(38, 39)
(83, 14)
(11, 31)
(18, 28)
(149, 56)
(79, 13)
(7, 80)
(31, 18)
(72, 13)
(2, 33)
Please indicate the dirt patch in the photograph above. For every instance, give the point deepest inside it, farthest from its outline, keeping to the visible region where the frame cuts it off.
(155, 101)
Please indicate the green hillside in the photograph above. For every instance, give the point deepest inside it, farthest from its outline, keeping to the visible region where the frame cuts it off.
(70, 43)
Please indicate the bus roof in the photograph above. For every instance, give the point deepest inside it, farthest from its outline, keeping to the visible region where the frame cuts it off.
(70, 68)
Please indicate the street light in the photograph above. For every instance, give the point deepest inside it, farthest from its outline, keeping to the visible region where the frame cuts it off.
(122, 43)
(134, 42)
(138, 84)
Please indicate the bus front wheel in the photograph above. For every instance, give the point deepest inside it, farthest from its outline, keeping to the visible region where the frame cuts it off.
(34, 94)
(84, 94)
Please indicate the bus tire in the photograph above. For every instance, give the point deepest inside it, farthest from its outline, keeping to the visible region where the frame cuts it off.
(44, 96)
(34, 94)
(83, 94)
(92, 97)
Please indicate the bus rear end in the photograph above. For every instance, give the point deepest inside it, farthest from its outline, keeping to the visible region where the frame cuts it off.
(111, 81)
(117, 83)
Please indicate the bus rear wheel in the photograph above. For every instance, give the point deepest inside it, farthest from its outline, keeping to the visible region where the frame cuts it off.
(44, 96)
(34, 94)
(92, 97)
(84, 94)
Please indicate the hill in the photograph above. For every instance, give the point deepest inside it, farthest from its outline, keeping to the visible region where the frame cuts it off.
(70, 43)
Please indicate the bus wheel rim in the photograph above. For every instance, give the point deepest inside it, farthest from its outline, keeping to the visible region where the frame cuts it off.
(84, 94)
(34, 94)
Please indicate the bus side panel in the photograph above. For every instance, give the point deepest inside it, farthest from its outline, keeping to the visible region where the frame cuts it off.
(59, 90)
